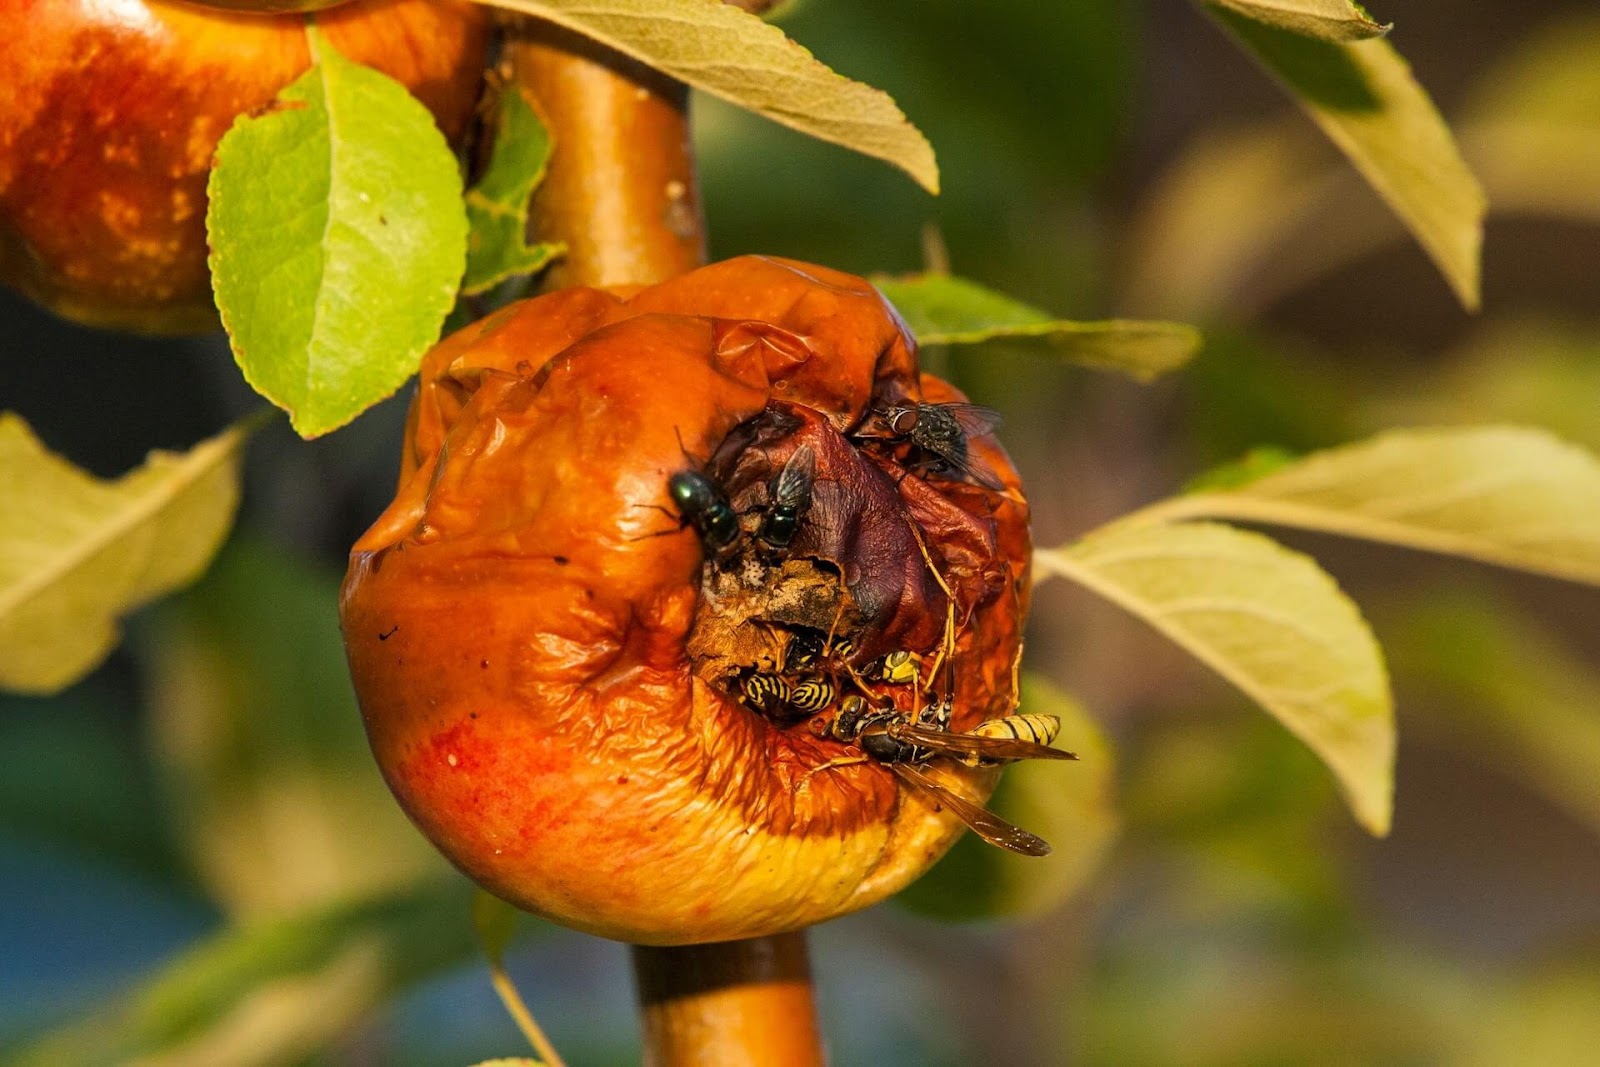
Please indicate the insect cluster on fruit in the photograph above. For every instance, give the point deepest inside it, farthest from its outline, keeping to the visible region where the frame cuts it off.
(799, 621)
(678, 629)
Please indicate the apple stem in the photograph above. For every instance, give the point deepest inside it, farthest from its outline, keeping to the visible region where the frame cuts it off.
(621, 193)
(731, 1004)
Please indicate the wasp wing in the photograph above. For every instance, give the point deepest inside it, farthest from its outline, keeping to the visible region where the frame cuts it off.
(992, 748)
(980, 820)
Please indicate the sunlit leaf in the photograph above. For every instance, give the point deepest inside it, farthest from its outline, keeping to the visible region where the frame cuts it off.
(1506, 691)
(259, 741)
(273, 992)
(1363, 96)
(1328, 20)
(718, 48)
(1512, 496)
(497, 207)
(337, 240)
(77, 552)
(1072, 807)
(940, 309)
(1269, 621)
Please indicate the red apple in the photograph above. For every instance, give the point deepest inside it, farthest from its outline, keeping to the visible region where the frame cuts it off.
(110, 111)
(554, 670)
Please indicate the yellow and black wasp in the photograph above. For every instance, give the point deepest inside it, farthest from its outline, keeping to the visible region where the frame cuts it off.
(888, 736)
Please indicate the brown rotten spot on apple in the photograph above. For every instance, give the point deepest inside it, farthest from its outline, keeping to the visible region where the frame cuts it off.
(110, 114)
(671, 596)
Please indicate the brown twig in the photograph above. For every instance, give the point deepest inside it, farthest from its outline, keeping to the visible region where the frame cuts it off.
(736, 1004)
(620, 192)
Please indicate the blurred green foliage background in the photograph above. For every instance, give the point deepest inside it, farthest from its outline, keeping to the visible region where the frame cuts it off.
(199, 860)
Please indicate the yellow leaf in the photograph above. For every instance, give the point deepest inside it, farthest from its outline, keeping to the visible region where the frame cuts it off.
(1268, 620)
(728, 52)
(1327, 20)
(77, 552)
(1507, 495)
(1363, 96)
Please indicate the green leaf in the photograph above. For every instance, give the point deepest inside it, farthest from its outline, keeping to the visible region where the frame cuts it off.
(270, 777)
(1511, 496)
(273, 992)
(940, 309)
(1253, 465)
(337, 240)
(77, 552)
(1363, 96)
(1072, 807)
(497, 207)
(1269, 621)
(1326, 20)
(731, 53)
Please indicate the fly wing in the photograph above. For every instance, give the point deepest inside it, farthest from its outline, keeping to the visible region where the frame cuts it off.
(993, 748)
(793, 485)
(980, 820)
(975, 420)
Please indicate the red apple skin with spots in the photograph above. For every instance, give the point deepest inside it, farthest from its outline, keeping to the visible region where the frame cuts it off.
(110, 111)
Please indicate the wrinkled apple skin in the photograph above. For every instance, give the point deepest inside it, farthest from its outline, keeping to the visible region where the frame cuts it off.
(110, 113)
(516, 622)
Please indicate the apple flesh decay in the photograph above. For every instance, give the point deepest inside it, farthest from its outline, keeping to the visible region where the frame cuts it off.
(520, 623)
(110, 114)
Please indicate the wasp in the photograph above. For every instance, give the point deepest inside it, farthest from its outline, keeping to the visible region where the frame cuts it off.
(812, 694)
(809, 647)
(704, 505)
(943, 432)
(767, 693)
(791, 497)
(899, 668)
(888, 737)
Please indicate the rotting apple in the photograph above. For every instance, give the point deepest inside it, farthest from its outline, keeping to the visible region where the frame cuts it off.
(110, 113)
(554, 660)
